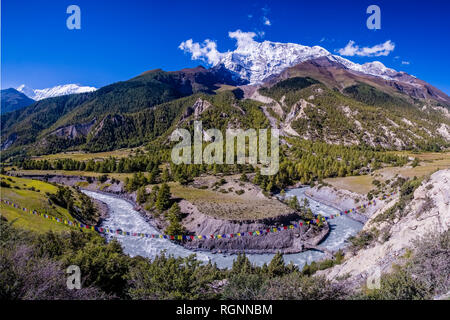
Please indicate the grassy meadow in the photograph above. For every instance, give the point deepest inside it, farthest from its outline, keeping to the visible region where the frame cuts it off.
(225, 203)
(85, 156)
(428, 163)
(31, 195)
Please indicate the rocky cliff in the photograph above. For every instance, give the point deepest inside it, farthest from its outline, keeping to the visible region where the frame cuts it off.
(427, 212)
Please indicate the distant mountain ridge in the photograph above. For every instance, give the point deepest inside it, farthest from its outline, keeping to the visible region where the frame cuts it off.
(338, 75)
(61, 90)
(12, 100)
(324, 98)
(255, 62)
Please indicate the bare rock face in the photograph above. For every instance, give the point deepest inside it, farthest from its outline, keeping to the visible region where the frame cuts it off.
(8, 142)
(197, 109)
(341, 200)
(429, 211)
(74, 131)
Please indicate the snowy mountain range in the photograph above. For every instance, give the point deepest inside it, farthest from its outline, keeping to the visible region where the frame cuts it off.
(259, 60)
(61, 90)
(255, 61)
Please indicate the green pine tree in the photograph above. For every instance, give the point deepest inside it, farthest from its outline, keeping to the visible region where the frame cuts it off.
(163, 198)
(141, 195)
(276, 266)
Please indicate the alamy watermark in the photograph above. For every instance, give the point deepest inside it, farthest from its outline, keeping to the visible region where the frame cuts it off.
(235, 145)
(374, 20)
(74, 20)
(74, 279)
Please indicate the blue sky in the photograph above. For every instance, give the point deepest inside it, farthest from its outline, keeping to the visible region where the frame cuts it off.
(121, 39)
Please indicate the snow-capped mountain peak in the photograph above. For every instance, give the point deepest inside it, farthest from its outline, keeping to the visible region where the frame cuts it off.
(254, 61)
(61, 90)
(259, 60)
(26, 91)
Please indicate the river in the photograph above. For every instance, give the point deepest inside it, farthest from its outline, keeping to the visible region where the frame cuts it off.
(123, 216)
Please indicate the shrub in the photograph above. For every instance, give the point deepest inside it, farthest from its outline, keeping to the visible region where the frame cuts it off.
(398, 285)
(430, 261)
(243, 286)
(170, 278)
(299, 287)
(102, 265)
(4, 184)
(361, 240)
(103, 178)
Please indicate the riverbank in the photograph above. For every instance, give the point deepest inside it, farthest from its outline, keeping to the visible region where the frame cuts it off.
(342, 200)
(123, 216)
(286, 241)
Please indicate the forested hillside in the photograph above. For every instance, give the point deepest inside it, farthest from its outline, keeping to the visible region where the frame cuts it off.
(359, 115)
(12, 100)
(43, 118)
(148, 107)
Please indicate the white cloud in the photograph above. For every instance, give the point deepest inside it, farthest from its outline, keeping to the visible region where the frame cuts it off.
(266, 10)
(207, 51)
(382, 49)
(250, 16)
(244, 39)
(405, 62)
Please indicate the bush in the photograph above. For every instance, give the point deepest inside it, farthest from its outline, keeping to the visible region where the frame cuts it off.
(4, 184)
(243, 178)
(361, 240)
(243, 286)
(102, 265)
(103, 178)
(29, 271)
(299, 287)
(170, 278)
(430, 262)
(398, 285)
(27, 277)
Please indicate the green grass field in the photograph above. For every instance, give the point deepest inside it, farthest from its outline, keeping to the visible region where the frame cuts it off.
(229, 206)
(33, 200)
(83, 156)
(117, 176)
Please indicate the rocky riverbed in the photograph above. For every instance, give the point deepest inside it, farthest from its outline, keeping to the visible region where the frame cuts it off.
(287, 241)
(124, 216)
